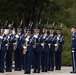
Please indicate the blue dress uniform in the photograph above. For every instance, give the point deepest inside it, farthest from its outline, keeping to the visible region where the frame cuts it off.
(28, 55)
(58, 49)
(73, 51)
(52, 41)
(23, 40)
(11, 40)
(18, 53)
(0, 47)
(45, 53)
(19, 50)
(37, 51)
(3, 52)
(0, 60)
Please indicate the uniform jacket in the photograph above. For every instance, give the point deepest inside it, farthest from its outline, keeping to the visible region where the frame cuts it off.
(73, 46)
(60, 42)
(11, 40)
(4, 42)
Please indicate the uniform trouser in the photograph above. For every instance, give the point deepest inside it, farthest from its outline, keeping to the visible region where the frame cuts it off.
(74, 61)
(15, 58)
(22, 61)
(58, 59)
(51, 60)
(9, 60)
(33, 59)
(0, 55)
(44, 60)
(2, 60)
(27, 61)
(37, 58)
(18, 59)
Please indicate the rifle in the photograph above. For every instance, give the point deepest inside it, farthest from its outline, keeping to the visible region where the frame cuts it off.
(25, 48)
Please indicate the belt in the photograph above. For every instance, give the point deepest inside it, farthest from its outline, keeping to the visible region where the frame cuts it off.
(28, 45)
(38, 43)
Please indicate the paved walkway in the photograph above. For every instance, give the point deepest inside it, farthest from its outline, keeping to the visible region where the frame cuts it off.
(64, 71)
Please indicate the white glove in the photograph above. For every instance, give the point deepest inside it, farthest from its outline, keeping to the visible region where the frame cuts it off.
(36, 36)
(57, 38)
(1, 37)
(44, 37)
(6, 44)
(73, 51)
(55, 44)
(24, 47)
(42, 44)
(48, 44)
(27, 39)
(17, 36)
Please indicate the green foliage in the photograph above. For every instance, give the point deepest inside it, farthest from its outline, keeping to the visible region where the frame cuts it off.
(66, 54)
(34, 10)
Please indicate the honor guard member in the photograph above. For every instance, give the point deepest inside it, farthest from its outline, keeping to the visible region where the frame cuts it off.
(37, 49)
(19, 50)
(0, 49)
(11, 40)
(1, 31)
(45, 51)
(23, 40)
(52, 41)
(28, 52)
(58, 49)
(4, 40)
(73, 49)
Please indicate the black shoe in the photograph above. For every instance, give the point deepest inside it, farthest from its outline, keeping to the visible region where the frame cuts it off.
(18, 69)
(59, 68)
(72, 72)
(42, 71)
(52, 70)
(7, 70)
(56, 68)
(10, 70)
(1, 71)
(26, 72)
(48, 69)
(34, 71)
(38, 71)
(15, 69)
(45, 71)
